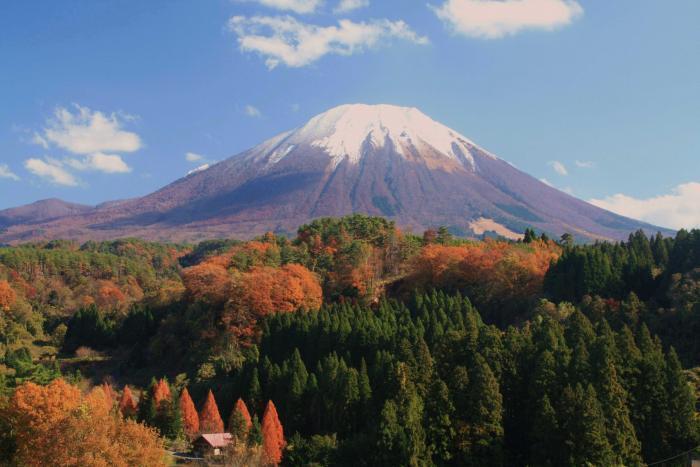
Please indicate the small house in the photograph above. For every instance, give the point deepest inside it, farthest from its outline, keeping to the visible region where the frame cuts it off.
(211, 444)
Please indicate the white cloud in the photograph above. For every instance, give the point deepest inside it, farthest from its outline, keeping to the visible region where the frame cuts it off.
(252, 111)
(5, 172)
(107, 163)
(285, 40)
(349, 5)
(546, 182)
(297, 6)
(198, 169)
(193, 157)
(51, 170)
(585, 164)
(493, 19)
(87, 131)
(559, 168)
(678, 209)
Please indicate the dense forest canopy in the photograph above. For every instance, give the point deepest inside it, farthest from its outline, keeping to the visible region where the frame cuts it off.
(357, 343)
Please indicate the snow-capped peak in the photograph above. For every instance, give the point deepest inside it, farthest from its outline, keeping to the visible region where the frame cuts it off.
(343, 131)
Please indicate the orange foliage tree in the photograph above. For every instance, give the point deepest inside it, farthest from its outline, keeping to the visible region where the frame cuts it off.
(207, 282)
(127, 404)
(209, 418)
(273, 434)
(7, 296)
(490, 272)
(190, 418)
(266, 290)
(161, 392)
(57, 425)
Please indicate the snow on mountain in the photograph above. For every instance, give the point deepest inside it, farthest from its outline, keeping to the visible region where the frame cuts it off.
(344, 131)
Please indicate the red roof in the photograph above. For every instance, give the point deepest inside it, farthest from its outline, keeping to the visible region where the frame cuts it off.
(217, 440)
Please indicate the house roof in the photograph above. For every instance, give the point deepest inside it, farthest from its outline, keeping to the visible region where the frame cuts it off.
(217, 440)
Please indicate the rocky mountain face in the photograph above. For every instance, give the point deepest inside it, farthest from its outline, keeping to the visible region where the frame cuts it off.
(375, 159)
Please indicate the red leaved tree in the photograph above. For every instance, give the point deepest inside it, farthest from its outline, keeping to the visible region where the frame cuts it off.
(209, 418)
(273, 434)
(127, 405)
(161, 392)
(190, 418)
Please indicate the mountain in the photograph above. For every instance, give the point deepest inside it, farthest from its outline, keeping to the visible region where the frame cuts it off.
(376, 159)
(41, 211)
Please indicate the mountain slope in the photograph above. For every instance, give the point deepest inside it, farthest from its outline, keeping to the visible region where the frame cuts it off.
(380, 159)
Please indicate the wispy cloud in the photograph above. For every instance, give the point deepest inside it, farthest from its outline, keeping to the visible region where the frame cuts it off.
(84, 131)
(5, 172)
(494, 19)
(285, 40)
(559, 167)
(345, 6)
(297, 6)
(107, 163)
(92, 138)
(193, 157)
(585, 164)
(52, 170)
(678, 209)
(252, 111)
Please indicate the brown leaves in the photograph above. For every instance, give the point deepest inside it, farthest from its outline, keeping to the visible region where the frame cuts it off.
(57, 425)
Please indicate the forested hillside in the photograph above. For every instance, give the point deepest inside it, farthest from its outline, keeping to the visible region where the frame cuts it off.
(355, 343)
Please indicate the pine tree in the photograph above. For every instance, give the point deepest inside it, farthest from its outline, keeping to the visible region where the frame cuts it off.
(209, 418)
(682, 428)
(127, 405)
(482, 444)
(583, 428)
(273, 435)
(147, 409)
(613, 398)
(190, 418)
(255, 436)
(544, 434)
(254, 391)
(438, 422)
(239, 422)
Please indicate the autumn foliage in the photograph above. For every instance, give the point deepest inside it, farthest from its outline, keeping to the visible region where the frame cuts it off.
(266, 290)
(190, 418)
(161, 392)
(273, 434)
(207, 282)
(57, 425)
(489, 271)
(209, 418)
(7, 296)
(127, 404)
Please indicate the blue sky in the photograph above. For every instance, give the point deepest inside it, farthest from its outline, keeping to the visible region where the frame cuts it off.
(102, 100)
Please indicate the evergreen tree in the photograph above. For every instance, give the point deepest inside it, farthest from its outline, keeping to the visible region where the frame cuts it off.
(439, 412)
(239, 422)
(682, 428)
(544, 449)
